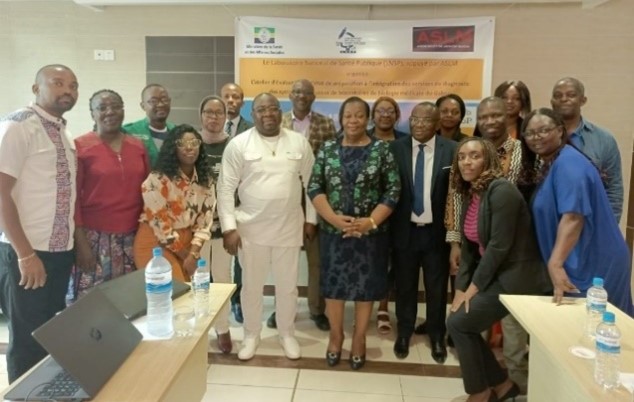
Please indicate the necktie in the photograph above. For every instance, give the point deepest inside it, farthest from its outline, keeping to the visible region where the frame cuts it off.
(419, 181)
(228, 127)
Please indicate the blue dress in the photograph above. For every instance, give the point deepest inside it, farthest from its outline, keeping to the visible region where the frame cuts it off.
(573, 185)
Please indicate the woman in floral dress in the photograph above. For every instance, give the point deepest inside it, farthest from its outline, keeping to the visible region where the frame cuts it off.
(354, 187)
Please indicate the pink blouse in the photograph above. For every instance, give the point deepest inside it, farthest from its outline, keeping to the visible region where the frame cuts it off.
(471, 222)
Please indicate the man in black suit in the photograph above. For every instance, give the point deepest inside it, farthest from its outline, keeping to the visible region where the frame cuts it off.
(418, 231)
(233, 96)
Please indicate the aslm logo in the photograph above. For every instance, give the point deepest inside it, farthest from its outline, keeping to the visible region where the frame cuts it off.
(264, 35)
(443, 39)
(348, 42)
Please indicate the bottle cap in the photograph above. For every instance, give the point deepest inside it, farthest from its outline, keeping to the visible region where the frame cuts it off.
(201, 263)
(608, 316)
(157, 252)
(597, 281)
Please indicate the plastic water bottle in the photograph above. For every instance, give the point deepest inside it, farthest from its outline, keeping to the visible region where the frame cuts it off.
(608, 341)
(158, 291)
(596, 303)
(201, 288)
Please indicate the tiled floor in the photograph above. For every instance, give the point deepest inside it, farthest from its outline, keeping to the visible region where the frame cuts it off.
(309, 379)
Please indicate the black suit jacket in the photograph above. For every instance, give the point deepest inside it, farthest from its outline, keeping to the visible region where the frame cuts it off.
(243, 125)
(511, 262)
(401, 217)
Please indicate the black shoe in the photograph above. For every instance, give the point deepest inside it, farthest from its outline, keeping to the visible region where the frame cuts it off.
(421, 329)
(237, 312)
(321, 321)
(401, 347)
(271, 322)
(512, 393)
(439, 351)
(357, 362)
(450, 342)
(333, 358)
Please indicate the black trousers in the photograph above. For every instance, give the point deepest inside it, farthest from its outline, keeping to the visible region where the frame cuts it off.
(26, 310)
(422, 251)
(480, 369)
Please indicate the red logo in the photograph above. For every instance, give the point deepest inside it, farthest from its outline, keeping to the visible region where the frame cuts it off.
(443, 39)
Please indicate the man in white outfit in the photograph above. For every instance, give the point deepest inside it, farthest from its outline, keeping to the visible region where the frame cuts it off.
(267, 165)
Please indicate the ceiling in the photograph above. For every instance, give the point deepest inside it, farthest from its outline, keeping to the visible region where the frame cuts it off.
(582, 3)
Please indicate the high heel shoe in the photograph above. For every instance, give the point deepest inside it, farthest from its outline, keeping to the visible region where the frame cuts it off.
(357, 362)
(511, 394)
(333, 358)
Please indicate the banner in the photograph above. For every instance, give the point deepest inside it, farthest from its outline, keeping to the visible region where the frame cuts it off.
(410, 61)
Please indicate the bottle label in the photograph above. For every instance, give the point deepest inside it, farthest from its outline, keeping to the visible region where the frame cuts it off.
(201, 281)
(158, 283)
(596, 303)
(608, 344)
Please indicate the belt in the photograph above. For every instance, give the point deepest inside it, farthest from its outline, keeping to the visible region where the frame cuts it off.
(420, 225)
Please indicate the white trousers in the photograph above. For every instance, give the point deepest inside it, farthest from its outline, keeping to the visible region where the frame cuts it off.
(220, 265)
(257, 263)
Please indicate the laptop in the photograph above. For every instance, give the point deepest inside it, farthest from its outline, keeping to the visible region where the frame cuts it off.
(127, 293)
(87, 342)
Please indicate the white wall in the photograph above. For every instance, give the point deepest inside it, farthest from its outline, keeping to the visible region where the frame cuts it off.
(535, 43)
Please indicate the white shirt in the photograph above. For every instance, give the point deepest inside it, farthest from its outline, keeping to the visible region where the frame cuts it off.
(45, 199)
(269, 188)
(430, 147)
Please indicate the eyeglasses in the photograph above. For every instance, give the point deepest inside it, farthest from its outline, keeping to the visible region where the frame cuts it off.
(157, 101)
(117, 107)
(265, 109)
(212, 113)
(424, 120)
(195, 143)
(539, 133)
(385, 112)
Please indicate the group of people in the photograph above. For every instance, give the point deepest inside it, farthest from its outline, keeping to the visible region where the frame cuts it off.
(528, 205)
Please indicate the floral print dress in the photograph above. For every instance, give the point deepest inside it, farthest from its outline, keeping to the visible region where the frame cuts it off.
(355, 180)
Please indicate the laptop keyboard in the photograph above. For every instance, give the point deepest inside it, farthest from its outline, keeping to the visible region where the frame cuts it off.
(62, 385)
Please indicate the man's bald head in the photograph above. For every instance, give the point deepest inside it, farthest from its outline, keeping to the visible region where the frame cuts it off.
(55, 89)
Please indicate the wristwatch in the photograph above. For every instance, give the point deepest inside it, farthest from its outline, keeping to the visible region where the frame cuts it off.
(374, 225)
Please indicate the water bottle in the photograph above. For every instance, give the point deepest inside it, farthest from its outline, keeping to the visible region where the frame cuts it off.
(608, 341)
(596, 302)
(201, 288)
(158, 291)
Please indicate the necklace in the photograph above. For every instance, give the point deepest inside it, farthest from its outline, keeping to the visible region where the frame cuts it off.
(266, 144)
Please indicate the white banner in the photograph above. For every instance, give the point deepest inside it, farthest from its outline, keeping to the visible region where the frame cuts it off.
(410, 61)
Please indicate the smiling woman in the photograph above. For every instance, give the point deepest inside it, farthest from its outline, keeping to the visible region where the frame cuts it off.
(577, 233)
(179, 200)
(499, 255)
(111, 168)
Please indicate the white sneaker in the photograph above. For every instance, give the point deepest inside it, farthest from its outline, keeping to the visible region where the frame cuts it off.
(291, 347)
(249, 346)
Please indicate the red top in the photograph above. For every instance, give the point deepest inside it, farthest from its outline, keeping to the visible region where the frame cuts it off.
(109, 183)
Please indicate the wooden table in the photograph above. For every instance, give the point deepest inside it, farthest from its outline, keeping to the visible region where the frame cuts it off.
(168, 370)
(555, 374)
